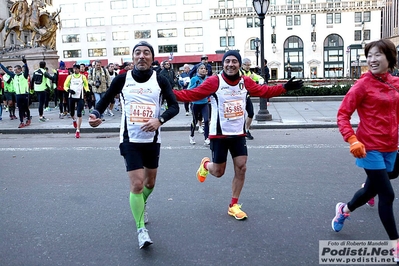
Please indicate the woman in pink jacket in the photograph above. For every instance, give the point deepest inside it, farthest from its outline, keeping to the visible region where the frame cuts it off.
(375, 97)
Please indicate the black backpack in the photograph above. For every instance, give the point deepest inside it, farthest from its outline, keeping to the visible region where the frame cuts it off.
(38, 77)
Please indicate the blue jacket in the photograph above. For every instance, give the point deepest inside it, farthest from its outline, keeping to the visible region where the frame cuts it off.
(195, 82)
(184, 76)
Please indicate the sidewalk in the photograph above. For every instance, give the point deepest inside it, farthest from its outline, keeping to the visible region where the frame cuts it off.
(286, 113)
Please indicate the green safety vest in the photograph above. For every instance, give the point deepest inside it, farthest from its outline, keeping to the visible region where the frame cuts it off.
(21, 85)
(8, 87)
(42, 86)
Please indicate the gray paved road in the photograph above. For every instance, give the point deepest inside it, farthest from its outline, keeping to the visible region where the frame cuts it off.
(65, 202)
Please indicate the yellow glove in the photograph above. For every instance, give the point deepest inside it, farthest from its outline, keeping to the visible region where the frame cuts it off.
(356, 147)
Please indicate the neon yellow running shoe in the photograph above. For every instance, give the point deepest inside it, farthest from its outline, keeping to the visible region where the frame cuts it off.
(202, 172)
(236, 212)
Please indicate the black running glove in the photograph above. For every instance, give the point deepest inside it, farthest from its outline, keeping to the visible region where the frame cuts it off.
(293, 85)
(23, 59)
(71, 91)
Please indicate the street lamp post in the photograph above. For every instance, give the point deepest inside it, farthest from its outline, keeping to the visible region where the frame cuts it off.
(358, 65)
(257, 41)
(261, 7)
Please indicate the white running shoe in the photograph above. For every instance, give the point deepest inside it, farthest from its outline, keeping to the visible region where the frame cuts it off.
(110, 113)
(192, 140)
(200, 130)
(207, 142)
(144, 238)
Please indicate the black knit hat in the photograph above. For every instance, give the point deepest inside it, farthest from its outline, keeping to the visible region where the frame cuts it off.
(144, 43)
(233, 53)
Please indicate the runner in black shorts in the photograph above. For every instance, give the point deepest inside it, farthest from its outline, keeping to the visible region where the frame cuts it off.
(228, 92)
(140, 140)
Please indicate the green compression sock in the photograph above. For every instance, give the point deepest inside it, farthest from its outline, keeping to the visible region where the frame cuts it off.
(147, 192)
(137, 207)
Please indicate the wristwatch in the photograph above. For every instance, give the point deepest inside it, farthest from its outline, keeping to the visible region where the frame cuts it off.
(161, 120)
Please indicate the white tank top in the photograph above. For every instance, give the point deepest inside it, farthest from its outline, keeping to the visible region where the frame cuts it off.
(140, 102)
(77, 86)
(228, 107)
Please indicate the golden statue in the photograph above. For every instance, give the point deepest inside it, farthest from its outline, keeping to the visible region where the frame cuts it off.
(30, 18)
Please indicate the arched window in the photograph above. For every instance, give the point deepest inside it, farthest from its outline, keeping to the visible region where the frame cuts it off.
(333, 56)
(293, 57)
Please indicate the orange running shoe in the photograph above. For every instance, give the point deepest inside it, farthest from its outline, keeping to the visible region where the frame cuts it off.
(202, 172)
(236, 212)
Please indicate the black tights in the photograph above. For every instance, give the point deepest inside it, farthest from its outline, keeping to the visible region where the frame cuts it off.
(378, 183)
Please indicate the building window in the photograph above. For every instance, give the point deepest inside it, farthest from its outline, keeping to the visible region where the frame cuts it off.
(188, 32)
(70, 23)
(71, 38)
(167, 48)
(137, 19)
(333, 56)
(297, 20)
(97, 52)
(226, 23)
(293, 57)
(68, 8)
(72, 53)
(250, 22)
(252, 44)
(226, 3)
(142, 34)
(273, 21)
(231, 41)
(120, 35)
(358, 35)
(121, 4)
(366, 35)
(166, 2)
(96, 37)
(121, 50)
(358, 16)
(313, 19)
(141, 3)
(367, 16)
(337, 18)
(189, 2)
(288, 20)
(95, 22)
(166, 33)
(119, 20)
(197, 15)
(194, 47)
(329, 19)
(313, 36)
(94, 6)
(164, 17)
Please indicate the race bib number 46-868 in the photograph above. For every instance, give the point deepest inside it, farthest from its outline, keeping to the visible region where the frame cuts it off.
(141, 112)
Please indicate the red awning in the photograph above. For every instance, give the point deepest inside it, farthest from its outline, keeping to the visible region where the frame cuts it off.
(69, 64)
(190, 59)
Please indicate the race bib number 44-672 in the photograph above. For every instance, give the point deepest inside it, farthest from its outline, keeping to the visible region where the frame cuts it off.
(141, 112)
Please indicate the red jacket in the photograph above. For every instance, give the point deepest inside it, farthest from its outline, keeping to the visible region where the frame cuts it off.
(377, 105)
(211, 85)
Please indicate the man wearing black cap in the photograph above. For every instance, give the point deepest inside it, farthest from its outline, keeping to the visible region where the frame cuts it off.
(142, 92)
(204, 60)
(228, 92)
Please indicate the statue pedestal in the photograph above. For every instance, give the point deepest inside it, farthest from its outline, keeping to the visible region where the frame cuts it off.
(33, 57)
